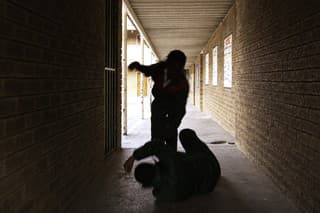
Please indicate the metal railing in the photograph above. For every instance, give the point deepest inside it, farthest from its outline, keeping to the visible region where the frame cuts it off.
(112, 75)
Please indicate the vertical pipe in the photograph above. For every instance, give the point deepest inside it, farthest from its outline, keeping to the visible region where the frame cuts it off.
(194, 84)
(107, 89)
(142, 77)
(124, 71)
(201, 80)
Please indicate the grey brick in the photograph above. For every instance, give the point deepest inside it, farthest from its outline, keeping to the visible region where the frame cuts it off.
(8, 106)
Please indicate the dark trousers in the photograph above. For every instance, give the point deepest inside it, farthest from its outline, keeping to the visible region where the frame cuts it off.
(166, 116)
(208, 167)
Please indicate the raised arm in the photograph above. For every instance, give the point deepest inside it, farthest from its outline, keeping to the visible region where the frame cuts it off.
(146, 70)
(148, 149)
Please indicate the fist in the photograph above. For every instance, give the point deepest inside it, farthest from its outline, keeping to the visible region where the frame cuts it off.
(134, 65)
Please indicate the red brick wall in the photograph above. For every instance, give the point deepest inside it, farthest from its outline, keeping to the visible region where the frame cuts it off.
(278, 77)
(51, 101)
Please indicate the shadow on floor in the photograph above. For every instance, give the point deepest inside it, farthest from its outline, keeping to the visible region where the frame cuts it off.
(242, 188)
(223, 199)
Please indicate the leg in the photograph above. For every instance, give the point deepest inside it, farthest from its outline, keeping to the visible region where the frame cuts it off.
(175, 117)
(171, 139)
(158, 120)
(191, 143)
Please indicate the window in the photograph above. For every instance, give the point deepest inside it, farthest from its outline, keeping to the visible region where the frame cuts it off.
(215, 66)
(207, 69)
(228, 62)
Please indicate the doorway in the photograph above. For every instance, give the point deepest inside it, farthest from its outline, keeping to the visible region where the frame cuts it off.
(136, 88)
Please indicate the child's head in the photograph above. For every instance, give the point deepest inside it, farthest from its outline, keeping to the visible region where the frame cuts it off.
(176, 60)
(144, 174)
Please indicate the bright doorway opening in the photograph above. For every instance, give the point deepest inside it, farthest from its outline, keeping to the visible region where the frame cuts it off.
(136, 88)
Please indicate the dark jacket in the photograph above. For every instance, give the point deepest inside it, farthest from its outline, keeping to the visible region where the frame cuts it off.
(180, 174)
(165, 85)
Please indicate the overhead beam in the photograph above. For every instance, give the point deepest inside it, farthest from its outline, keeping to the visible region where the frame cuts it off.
(139, 27)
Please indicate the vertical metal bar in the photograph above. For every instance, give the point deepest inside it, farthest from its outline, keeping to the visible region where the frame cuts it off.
(111, 110)
(141, 77)
(124, 71)
(106, 77)
(110, 37)
(108, 74)
(108, 112)
(111, 75)
(194, 84)
(114, 82)
(105, 115)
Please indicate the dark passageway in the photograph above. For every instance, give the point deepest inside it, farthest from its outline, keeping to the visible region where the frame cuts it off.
(242, 188)
(254, 74)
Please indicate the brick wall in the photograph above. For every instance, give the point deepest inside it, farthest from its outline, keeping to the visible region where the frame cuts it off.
(219, 101)
(278, 78)
(51, 101)
(273, 108)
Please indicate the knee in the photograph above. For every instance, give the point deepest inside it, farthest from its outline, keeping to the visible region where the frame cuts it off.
(186, 134)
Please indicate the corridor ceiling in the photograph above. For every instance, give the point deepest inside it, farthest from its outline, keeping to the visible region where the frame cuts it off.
(180, 24)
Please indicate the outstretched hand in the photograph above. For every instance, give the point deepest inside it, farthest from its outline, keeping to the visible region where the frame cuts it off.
(134, 65)
(129, 164)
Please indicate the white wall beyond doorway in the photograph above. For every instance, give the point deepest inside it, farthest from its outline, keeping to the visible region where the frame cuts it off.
(139, 130)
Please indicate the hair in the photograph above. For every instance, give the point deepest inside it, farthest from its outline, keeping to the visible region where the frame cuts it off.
(144, 174)
(188, 134)
(177, 56)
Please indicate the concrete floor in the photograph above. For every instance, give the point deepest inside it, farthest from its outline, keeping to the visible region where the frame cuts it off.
(139, 129)
(242, 187)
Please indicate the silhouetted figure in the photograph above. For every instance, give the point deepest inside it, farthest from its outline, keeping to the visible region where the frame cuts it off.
(170, 91)
(177, 175)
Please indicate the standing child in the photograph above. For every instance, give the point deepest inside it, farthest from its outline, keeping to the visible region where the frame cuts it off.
(170, 93)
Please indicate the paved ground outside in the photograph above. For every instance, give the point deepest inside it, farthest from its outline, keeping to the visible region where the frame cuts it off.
(139, 129)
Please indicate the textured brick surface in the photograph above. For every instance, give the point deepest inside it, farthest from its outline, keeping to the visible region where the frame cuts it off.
(277, 62)
(219, 101)
(51, 101)
(273, 108)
